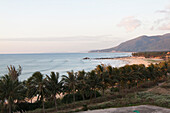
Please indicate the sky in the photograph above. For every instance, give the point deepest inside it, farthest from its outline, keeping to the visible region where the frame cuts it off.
(57, 26)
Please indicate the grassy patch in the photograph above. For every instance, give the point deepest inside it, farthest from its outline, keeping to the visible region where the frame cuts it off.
(135, 99)
(166, 86)
(131, 97)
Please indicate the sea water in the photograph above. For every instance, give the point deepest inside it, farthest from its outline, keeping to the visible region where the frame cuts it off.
(57, 62)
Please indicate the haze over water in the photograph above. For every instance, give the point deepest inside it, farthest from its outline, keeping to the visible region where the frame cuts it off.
(57, 62)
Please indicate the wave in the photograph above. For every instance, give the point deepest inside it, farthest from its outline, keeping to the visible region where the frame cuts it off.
(54, 67)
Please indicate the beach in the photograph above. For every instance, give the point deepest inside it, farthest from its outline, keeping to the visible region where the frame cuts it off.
(130, 60)
(140, 60)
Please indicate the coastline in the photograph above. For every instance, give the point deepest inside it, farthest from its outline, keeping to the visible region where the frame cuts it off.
(140, 60)
(132, 60)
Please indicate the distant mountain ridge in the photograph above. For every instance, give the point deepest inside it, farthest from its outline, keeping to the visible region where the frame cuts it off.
(141, 44)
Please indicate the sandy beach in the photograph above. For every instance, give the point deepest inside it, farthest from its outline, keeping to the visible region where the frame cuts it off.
(140, 60)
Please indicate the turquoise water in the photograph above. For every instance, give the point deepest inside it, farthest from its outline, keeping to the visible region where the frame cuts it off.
(58, 62)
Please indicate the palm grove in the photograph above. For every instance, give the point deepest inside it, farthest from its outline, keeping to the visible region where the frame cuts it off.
(18, 96)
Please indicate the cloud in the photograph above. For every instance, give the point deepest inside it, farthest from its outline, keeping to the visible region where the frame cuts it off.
(159, 22)
(129, 23)
(168, 6)
(164, 22)
(63, 39)
(164, 27)
(166, 10)
(163, 11)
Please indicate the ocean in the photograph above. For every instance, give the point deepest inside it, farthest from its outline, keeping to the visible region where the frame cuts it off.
(57, 62)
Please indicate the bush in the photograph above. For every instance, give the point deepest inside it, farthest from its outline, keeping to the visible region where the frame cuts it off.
(25, 106)
(148, 84)
(155, 99)
(116, 89)
(49, 104)
(85, 108)
(3, 109)
(68, 98)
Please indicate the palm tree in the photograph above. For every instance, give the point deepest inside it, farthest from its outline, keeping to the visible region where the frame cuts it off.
(11, 91)
(116, 78)
(103, 77)
(164, 68)
(37, 86)
(10, 88)
(70, 82)
(54, 86)
(112, 75)
(81, 82)
(13, 72)
(155, 72)
(93, 82)
(151, 72)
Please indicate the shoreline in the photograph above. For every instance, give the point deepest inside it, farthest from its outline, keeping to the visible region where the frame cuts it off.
(140, 60)
(132, 60)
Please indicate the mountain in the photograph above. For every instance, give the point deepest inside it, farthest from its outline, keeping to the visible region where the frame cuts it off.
(141, 44)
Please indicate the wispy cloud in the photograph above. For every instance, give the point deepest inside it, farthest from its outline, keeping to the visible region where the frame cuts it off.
(168, 6)
(163, 11)
(165, 26)
(130, 23)
(164, 22)
(63, 39)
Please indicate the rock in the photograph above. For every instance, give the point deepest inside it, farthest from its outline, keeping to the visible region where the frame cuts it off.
(86, 58)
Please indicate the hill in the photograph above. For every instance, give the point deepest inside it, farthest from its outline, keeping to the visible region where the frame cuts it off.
(141, 44)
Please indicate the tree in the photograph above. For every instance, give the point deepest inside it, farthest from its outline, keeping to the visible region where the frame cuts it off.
(37, 86)
(112, 75)
(54, 86)
(164, 68)
(14, 73)
(70, 82)
(81, 82)
(116, 78)
(103, 77)
(151, 72)
(11, 90)
(93, 82)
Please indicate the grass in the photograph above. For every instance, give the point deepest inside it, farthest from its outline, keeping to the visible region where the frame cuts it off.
(135, 99)
(166, 85)
(131, 97)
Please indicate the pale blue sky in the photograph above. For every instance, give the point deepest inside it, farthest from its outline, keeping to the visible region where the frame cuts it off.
(39, 26)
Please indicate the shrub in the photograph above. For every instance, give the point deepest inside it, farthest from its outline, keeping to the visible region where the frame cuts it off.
(148, 84)
(68, 98)
(25, 106)
(116, 89)
(85, 108)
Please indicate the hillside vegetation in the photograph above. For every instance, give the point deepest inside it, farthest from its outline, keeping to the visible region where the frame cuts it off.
(151, 54)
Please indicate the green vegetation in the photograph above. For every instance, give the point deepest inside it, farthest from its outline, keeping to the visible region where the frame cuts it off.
(124, 86)
(135, 99)
(151, 54)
